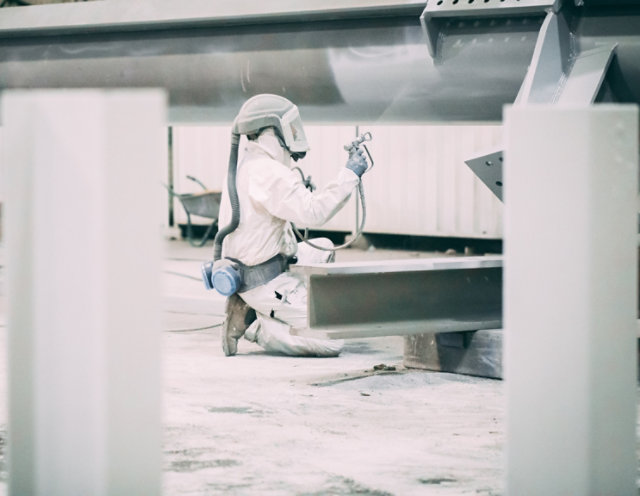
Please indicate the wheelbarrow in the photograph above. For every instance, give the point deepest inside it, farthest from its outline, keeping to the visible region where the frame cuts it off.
(203, 204)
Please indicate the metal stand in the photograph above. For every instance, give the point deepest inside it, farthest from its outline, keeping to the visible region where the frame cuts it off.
(476, 353)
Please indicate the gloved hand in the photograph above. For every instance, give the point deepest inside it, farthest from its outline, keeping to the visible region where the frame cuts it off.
(357, 162)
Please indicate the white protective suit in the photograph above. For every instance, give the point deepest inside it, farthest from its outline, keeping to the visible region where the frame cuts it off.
(271, 197)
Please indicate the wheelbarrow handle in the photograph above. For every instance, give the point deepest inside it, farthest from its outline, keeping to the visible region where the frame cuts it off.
(195, 180)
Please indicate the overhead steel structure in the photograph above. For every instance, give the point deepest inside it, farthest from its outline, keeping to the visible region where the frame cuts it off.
(368, 61)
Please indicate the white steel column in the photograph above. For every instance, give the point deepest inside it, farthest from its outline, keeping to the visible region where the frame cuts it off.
(83, 269)
(571, 183)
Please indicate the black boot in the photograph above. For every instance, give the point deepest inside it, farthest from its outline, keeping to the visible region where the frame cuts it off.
(238, 317)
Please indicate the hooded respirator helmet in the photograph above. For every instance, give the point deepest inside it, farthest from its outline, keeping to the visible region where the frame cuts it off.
(264, 111)
(258, 113)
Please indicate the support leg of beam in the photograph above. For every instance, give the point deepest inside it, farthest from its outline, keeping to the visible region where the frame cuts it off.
(571, 178)
(83, 258)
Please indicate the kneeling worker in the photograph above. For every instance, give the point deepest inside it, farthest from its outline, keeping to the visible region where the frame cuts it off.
(269, 196)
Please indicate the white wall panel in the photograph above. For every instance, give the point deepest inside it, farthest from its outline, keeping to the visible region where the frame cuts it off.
(420, 184)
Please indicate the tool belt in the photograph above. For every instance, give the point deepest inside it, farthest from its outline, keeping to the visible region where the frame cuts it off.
(254, 276)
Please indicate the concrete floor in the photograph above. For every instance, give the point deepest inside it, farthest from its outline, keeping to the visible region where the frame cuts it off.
(274, 425)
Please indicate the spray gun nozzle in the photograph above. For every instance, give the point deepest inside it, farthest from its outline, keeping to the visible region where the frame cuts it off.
(358, 141)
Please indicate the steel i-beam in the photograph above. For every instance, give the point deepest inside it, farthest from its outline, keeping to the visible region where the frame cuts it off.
(404, 297)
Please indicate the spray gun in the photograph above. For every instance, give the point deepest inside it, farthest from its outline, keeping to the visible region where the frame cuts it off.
(351, 148)
(357, 143)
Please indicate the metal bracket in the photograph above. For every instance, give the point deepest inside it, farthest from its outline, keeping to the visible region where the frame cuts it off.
(438, 11)
(557, 74)
(587, 75)
(488, 167)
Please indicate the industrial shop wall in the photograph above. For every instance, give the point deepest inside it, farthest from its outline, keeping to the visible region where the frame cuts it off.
(420, 185)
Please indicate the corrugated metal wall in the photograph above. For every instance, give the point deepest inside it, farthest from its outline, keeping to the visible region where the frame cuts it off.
(419, 186)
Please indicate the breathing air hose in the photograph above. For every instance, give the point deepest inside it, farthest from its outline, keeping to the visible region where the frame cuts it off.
(233, 199)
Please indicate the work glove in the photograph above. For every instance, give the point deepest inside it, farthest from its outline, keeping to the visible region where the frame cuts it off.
(357, 162)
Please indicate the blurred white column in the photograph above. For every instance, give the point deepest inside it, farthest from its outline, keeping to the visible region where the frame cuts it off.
(571, 182)
(83, 267)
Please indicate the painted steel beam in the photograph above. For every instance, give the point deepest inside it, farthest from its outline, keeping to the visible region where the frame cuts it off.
(404, 297)
(83, 310)
(124, 15)
(571, 299)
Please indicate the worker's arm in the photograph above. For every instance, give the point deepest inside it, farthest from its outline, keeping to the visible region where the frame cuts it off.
(283, 194)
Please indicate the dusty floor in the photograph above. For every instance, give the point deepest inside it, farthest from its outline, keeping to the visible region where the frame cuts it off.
(274, 425)
(266, 424)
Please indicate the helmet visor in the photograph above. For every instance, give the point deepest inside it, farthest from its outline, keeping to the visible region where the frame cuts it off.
(293, 132)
